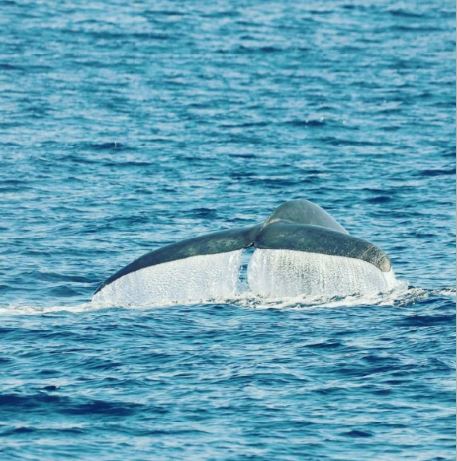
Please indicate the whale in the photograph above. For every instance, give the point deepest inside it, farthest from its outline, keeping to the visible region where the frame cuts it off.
(299, 246)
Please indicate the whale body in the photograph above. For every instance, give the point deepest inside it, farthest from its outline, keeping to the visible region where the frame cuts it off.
(298, 249)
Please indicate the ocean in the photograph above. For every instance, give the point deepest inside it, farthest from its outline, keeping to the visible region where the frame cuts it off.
(126, 126)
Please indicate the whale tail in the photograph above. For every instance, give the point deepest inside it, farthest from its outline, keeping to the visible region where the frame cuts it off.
(295, 226)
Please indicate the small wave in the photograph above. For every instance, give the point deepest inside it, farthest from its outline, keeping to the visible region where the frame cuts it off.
(311, 122)
(437, 172)
(26, 309)
(379, 199)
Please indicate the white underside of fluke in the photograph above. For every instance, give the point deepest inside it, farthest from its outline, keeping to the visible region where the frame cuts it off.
(184, 281)
(270, 274)
(285, 273)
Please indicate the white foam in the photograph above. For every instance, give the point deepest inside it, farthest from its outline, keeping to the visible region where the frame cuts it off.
(27, 309)
(186, 281)
(286, 273)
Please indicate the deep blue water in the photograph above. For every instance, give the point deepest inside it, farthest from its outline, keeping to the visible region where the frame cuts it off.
(128, 125)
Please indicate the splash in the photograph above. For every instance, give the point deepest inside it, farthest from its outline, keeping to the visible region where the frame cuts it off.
(185, 281)
(287, 273)
(262, 279)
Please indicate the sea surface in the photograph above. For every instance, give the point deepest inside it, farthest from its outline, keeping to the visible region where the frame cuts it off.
(128, 125)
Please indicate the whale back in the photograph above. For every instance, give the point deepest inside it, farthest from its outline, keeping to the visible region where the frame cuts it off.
(306, 213)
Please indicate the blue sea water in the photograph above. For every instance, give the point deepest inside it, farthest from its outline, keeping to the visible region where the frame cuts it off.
(125, 126)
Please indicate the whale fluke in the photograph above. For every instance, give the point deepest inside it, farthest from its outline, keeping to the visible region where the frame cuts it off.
(297, 225)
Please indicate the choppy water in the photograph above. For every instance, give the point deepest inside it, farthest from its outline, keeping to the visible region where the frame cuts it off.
(126, 126)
